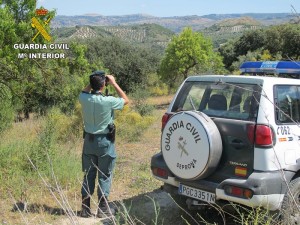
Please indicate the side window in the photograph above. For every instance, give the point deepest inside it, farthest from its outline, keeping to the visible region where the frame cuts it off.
(288, 103)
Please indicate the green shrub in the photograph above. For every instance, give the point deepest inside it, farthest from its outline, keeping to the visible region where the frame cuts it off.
(43, 150)
(42, 140)
(130, 124)
(77, 121)
(58, 129)
(140, 104)
(6, 114)
(144, 109)
(12, 159)
(253, 216)
(159, 90)
(156, 86)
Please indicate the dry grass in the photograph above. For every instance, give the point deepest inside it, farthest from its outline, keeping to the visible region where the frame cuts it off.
(132, 174)
(161, 100)
(26, 130)
(24, 198)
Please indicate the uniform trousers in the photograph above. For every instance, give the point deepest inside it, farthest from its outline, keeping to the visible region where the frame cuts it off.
(98, 157)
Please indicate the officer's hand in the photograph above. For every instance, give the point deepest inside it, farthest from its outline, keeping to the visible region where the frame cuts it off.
(111, 79)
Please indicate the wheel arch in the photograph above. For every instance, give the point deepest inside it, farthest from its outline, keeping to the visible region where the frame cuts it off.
(297, 174)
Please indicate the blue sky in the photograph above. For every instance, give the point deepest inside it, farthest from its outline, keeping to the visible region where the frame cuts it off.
(164, 8)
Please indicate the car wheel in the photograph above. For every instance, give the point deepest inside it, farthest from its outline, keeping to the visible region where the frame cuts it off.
(290, 208)
(191, 145)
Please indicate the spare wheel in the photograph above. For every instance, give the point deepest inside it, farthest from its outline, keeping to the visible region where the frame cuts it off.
(191, 145)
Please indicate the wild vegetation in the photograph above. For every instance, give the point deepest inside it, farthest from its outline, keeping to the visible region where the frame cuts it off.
(41, 166)
(40, 118)
(231, 28)
(281, 42)
(186, 53)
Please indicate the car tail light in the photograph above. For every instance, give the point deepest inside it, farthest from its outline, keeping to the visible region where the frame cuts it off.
(165, 119)
(160, 172)
(238, 192)
(263, 135)
(260, 135)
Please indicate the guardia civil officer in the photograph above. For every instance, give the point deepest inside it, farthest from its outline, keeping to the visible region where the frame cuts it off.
(99, 155)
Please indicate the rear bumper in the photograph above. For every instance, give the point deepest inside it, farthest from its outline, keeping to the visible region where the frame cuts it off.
(270, 202)
(268, 188)
(170, 180)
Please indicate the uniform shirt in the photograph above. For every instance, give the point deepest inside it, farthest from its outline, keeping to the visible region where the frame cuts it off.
(97, 111)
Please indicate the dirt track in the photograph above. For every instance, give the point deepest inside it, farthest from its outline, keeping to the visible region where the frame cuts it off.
(142, 211)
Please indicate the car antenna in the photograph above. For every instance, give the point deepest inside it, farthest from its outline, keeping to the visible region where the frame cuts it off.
(192, 103)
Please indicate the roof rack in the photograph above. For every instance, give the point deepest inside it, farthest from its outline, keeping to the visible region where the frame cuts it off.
(279, 68)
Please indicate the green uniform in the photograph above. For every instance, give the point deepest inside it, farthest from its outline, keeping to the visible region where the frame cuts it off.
(99, 153)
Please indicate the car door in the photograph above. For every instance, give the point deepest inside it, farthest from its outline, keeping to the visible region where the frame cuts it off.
(287, 116)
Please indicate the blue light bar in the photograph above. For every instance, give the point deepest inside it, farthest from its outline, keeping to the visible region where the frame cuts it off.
(275, 67)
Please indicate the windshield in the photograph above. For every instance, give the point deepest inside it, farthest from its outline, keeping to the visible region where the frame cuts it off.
(234, 101)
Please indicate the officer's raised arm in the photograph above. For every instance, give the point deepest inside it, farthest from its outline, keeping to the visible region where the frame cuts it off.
(87, 89)
(120, 92)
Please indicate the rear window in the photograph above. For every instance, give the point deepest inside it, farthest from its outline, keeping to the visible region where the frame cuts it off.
(226, 100)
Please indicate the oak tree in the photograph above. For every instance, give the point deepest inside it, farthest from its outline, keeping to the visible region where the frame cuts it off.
(188, 52)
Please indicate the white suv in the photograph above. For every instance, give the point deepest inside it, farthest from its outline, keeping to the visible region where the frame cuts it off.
(233, 138)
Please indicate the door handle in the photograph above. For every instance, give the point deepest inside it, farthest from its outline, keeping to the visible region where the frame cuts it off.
(238, 143)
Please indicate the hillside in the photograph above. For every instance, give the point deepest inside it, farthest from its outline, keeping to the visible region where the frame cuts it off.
(155, 31)
(152, 34)
(263, 18)
(173, 23)
(230, 28)
(176, 23)
(157, 35)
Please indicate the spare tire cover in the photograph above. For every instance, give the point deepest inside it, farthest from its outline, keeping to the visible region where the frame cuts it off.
(191, 145)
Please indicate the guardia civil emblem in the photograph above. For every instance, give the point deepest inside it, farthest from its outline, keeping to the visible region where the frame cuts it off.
(40, 27)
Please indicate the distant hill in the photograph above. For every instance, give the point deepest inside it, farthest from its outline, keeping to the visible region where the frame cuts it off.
(263, 18)
(157, 31)
(176, 23)
(230, 28)
(146, 34)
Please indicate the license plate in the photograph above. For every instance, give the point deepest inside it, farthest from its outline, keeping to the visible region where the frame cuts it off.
(196, 193)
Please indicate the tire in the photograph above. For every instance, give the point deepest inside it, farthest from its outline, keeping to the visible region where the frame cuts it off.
(290, 208)
(191, 145)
